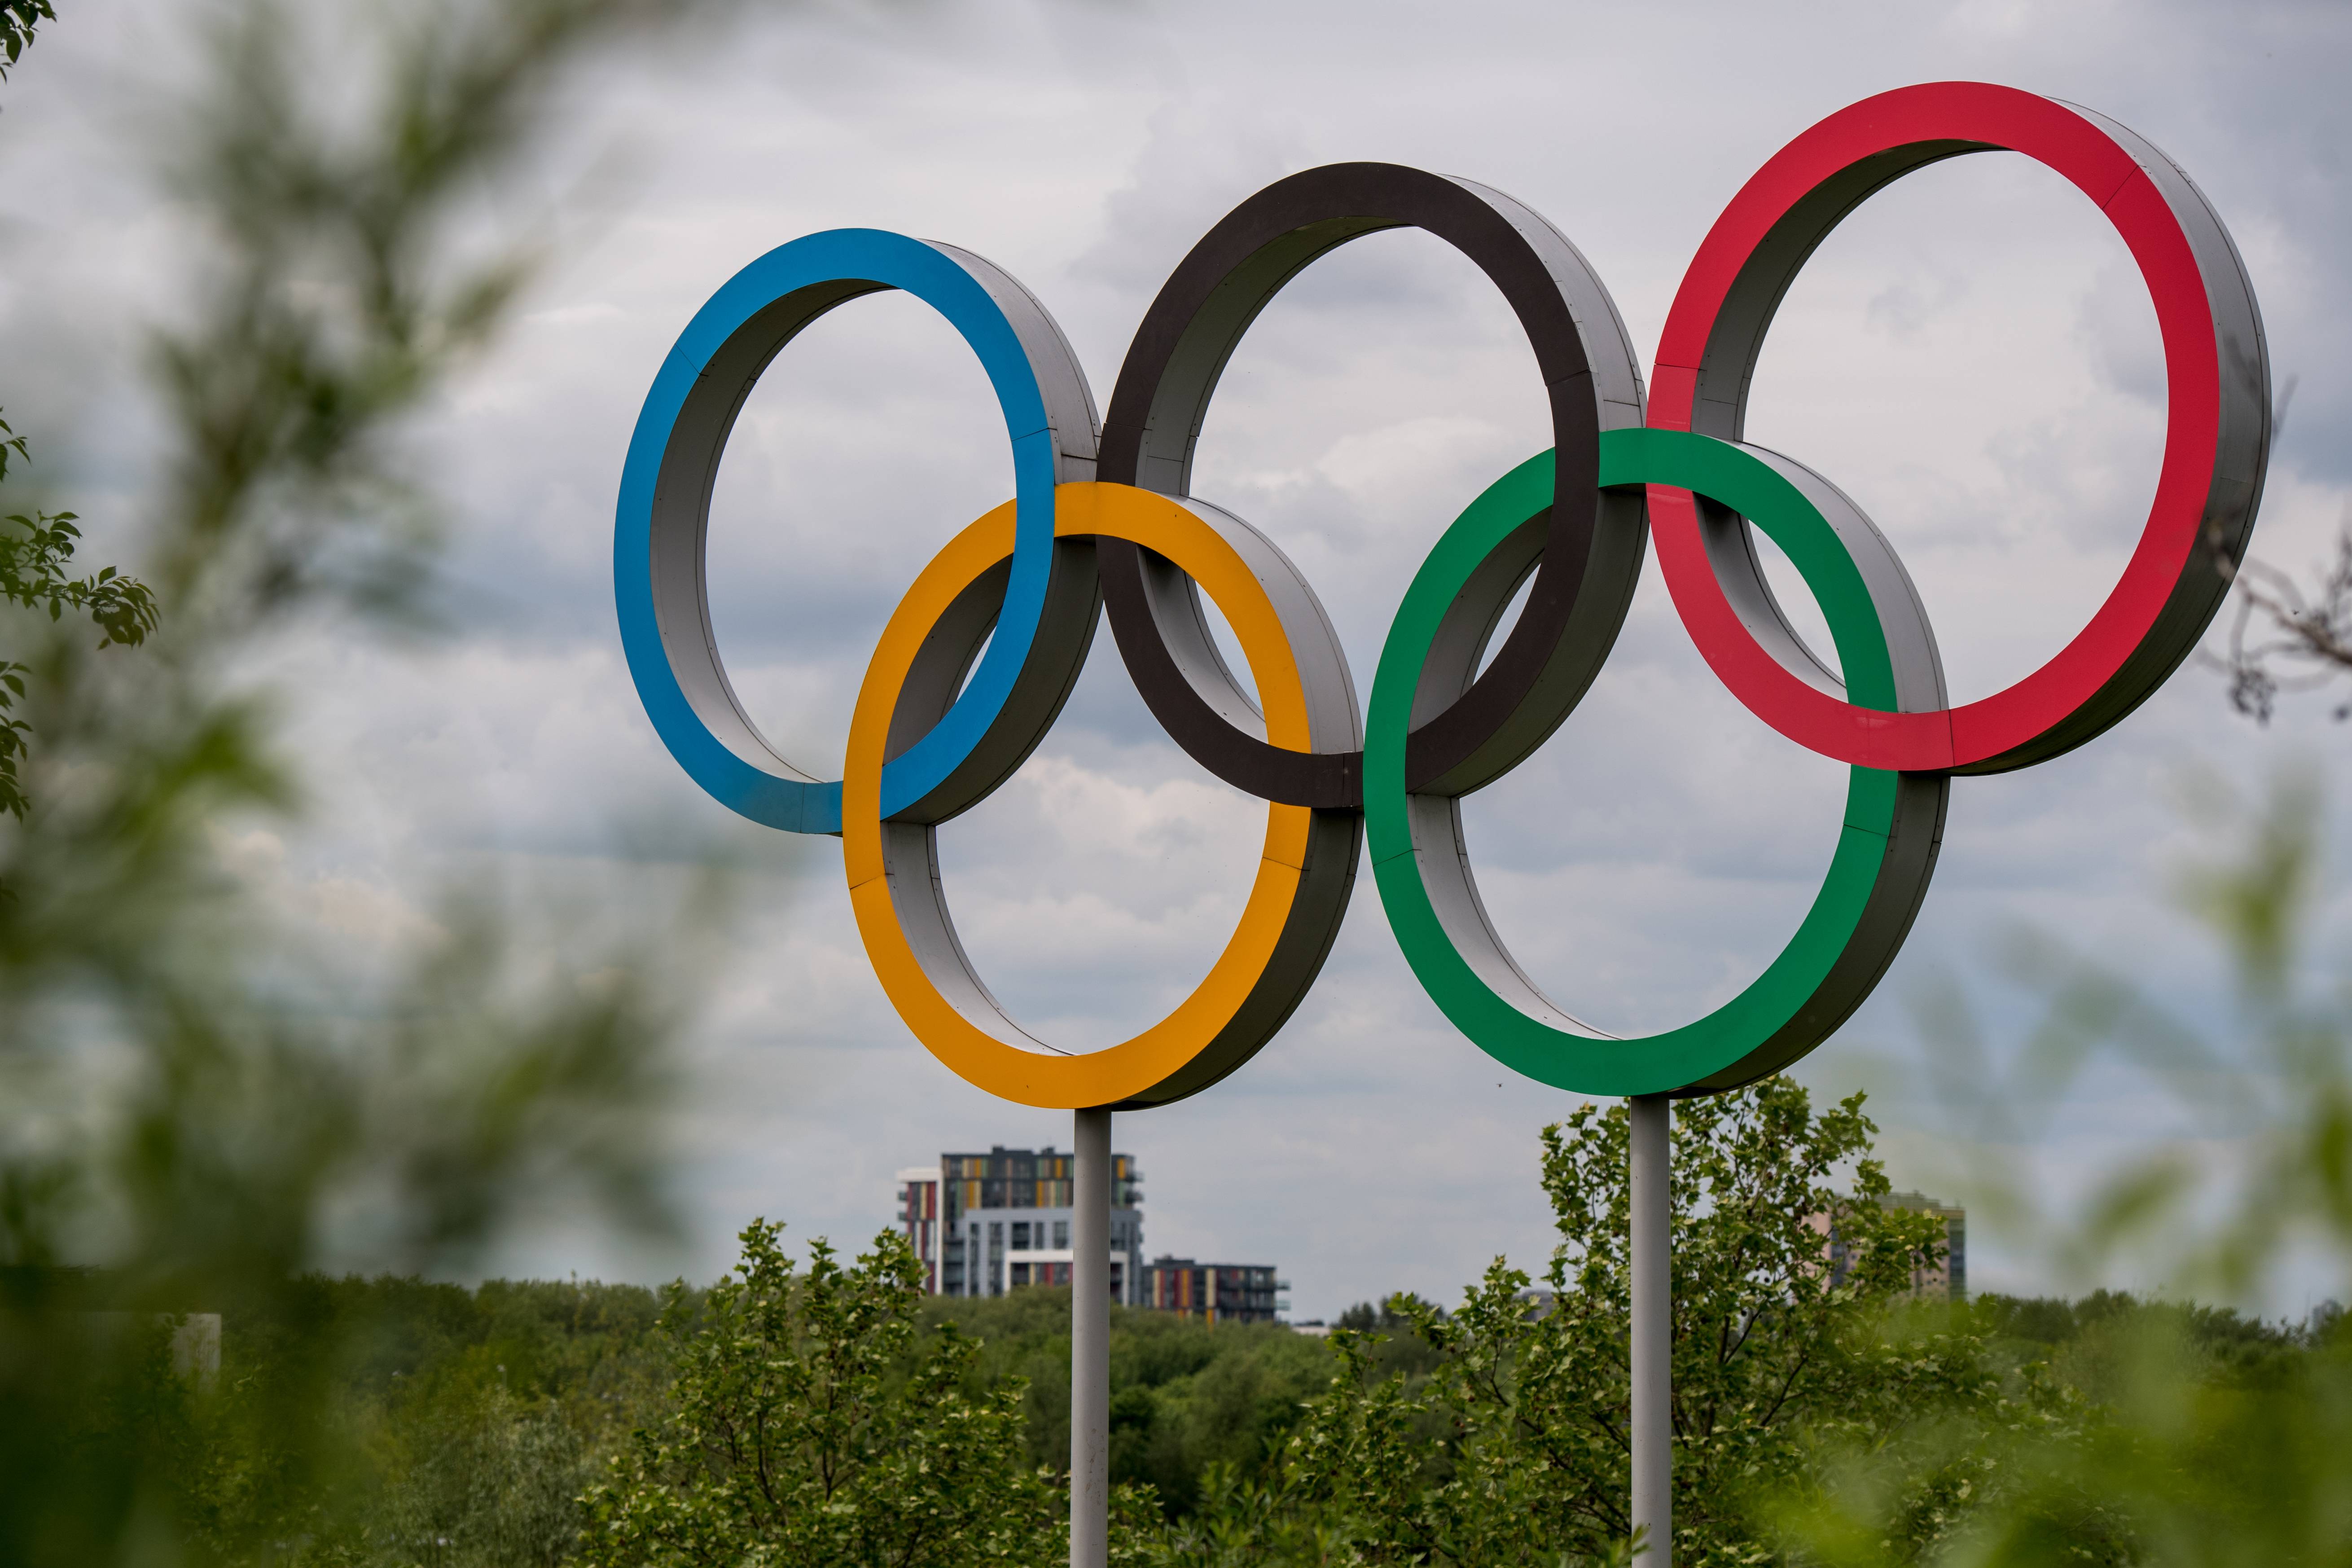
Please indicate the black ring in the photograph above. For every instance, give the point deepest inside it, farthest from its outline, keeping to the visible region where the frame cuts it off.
(1591, 552)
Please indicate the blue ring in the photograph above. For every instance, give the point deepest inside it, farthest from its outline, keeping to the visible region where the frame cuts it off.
(838, 256)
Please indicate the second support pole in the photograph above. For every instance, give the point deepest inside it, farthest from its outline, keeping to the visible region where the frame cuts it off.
(1090, 1343)
(1650, 1220)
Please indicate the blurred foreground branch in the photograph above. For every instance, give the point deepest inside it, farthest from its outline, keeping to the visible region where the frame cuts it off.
(198, 1098)
(2191, 1456)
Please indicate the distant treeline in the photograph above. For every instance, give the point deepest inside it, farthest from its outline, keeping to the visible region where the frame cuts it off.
(426, 1365)
(442, 1375)
(420, 1362)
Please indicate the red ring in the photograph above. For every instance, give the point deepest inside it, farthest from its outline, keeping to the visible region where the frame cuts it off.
(2128, 646)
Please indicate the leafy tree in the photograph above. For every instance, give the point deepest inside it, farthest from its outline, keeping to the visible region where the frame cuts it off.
(491, 1481)
(795, 1441)
(1364, 1317)
(477, 1416)
(1767, 1341)
(1179, 1416)
(1511, 1447)
(1185, 1393)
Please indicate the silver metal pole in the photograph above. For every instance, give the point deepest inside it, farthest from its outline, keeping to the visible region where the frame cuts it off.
(1652, 1348)
(1091, 1344)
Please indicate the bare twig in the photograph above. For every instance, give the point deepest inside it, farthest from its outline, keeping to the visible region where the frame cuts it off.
(2283, 639)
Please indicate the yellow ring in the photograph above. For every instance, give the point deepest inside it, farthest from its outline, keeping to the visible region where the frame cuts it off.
(1146, 1069)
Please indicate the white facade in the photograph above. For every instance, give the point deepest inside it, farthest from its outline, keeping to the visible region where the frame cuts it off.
(1017, 1233)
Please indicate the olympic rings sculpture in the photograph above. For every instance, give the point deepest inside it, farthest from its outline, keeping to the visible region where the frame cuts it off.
(1102, 517)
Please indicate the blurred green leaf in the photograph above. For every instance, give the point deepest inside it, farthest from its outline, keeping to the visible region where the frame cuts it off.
(199, 1100)
(2206, 1439)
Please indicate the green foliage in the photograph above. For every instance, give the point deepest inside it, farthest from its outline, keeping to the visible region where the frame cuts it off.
(1768, 1340)
(2082, 1340)
(470, 1421)
(36, 550)
(1241, 1520)
(474, 1419)
(207, 1105)
(488, 1414)
(795, 1439)
(2206, 1438)
(1529, 1459)
(1193, 1402)
(1500, 1438)
(1820, 1416)
(1186, 1395)
(18, 20)
(194, 1092)
(492, 1483)
(344, 290)
(34, 555)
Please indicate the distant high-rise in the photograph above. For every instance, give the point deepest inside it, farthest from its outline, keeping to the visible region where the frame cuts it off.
(1951, 1280)
(986, 1223)
(1218, 1293)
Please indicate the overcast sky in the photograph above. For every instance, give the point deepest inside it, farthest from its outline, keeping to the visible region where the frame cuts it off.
(1971, 356)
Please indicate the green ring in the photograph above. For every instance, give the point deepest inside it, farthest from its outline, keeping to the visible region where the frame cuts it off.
(1761, 1021)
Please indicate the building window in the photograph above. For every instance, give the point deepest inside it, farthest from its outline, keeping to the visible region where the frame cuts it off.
(1020, 1235)
(1021, 1274)
(1061, 1234)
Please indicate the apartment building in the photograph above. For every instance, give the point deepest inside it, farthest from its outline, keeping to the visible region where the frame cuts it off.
(1218, 1292)
(986, 1223)
(1949, 1281)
